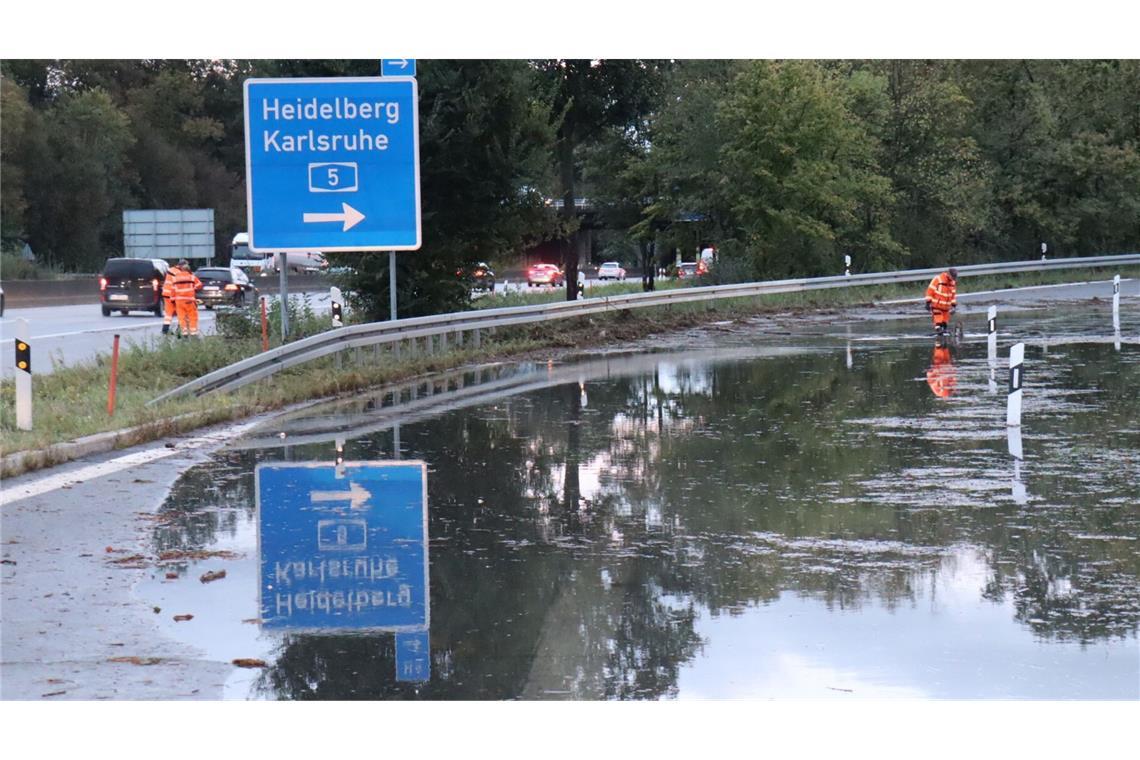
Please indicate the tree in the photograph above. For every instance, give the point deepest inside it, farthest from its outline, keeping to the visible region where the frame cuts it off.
(86, 178)
(589, 97)
(799, 172)
(21, 148)
(484, 139)
(942, 184)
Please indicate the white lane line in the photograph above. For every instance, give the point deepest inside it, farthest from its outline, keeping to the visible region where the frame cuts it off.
(53, 482)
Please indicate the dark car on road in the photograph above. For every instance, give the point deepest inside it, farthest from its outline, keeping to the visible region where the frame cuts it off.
(481, 277)
(225, 286)
(128, 285)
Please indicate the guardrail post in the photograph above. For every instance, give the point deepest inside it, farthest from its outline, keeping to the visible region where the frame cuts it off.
(476, 337)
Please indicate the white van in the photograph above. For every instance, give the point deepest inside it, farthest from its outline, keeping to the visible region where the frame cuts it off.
(269, 263)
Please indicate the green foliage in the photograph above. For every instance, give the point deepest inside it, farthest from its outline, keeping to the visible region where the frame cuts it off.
(484, 141)
(245, 323)
(785, 165)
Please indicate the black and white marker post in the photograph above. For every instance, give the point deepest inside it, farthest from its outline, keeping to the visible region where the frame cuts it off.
(992, 346)
(1116, 312)
(23, 376)
(1013, 407)
(847, 265)
(1013, 419)
(1116, 303)
(337, 306)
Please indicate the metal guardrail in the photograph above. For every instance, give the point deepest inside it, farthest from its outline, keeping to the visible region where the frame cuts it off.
(473, 322)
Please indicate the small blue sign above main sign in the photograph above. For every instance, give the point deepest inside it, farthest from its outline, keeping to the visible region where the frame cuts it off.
(333, 164)
(397, 67)
(343, 547)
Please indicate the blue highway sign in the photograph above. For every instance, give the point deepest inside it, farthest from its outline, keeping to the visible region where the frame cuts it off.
(397, 67)
(343, 547)
(333, 164)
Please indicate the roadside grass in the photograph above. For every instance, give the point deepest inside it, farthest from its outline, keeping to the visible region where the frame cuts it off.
(71, 402)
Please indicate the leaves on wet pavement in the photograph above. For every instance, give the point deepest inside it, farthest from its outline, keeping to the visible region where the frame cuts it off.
(249, 662)
(179, 554)
(136, 660)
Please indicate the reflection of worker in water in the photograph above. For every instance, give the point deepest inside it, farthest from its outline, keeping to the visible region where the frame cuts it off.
(942, 376)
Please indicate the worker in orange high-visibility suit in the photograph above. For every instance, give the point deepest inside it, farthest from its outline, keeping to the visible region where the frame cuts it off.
(942, 377)
(942, 299)
(186, 286)
(168, 299)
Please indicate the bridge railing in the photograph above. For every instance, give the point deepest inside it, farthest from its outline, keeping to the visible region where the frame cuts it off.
(469, 325)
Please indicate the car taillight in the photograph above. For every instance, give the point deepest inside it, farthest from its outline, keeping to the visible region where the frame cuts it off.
(102, 283)
(231, 286)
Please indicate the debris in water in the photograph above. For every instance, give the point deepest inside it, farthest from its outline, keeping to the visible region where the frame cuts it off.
(137, 660)
(213, 575)
(179, 554)
(247, 662)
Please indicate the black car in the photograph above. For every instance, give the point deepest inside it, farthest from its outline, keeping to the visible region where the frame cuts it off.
(225, 286)
(481, 277)
(128, 285)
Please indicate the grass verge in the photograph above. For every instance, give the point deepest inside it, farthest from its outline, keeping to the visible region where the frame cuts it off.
(71, 402)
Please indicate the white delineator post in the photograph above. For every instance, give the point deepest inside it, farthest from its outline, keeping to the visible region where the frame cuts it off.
(23, 376)
(1116, 302)
(847, 265)
(992, 344)
(1013, 407)
(992, 318)
(337, 306)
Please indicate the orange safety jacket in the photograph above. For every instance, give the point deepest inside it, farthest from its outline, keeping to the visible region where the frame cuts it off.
(185, 286)
(168, 282)
(942, 293)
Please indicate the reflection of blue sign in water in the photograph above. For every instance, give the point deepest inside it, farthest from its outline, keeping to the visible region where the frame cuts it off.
(332, 164)
(343, 548)
(413, 661)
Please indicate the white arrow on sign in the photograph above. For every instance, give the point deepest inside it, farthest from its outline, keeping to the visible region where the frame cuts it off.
(356, 495)
(350, 216)
(401, 62)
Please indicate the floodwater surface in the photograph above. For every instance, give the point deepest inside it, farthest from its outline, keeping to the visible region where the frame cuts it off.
(773, 508)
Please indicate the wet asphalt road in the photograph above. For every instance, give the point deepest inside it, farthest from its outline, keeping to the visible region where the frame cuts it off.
(73, 539)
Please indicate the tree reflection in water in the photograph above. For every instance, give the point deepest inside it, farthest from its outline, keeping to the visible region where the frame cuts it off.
(573, 548)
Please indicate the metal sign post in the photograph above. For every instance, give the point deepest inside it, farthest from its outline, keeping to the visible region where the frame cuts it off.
(283, 279)
(392, 285)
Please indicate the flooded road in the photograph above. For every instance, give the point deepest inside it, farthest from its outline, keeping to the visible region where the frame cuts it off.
(772, 508)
